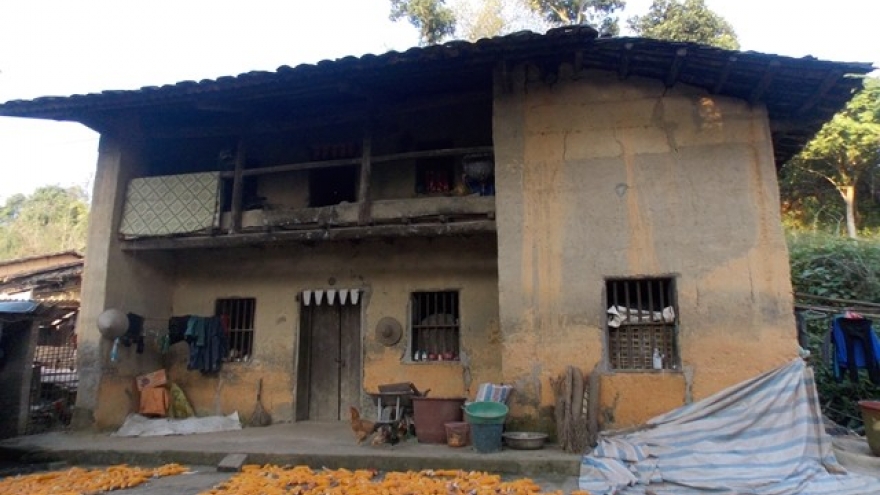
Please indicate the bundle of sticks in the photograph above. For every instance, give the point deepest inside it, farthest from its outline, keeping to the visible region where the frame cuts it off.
(573, 429)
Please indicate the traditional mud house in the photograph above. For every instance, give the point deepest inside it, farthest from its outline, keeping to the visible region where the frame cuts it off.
(517, 205)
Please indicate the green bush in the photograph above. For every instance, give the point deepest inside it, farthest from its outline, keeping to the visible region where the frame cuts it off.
(838, 268)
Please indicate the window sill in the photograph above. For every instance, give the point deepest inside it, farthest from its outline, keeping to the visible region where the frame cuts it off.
(670, 371)
(436, 361)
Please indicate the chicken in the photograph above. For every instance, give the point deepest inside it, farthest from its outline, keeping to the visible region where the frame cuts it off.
(386, 433)
(361, 427)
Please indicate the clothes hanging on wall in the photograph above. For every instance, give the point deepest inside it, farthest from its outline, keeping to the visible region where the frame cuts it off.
(856, 347)
(177, 329)
(135, 332)
(208, 343)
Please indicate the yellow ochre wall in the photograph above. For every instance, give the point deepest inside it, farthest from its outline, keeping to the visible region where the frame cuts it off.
(386, 272)
(598, 178)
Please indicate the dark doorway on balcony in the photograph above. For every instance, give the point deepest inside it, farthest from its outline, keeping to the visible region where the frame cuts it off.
(331, 186)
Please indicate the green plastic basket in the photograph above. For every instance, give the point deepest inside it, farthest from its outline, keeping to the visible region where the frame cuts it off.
(485, 413)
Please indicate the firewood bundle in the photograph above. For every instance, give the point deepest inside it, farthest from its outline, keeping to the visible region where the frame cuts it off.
(572, 401)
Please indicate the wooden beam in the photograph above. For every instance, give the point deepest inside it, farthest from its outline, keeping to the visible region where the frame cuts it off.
(725, 73)
(625, 55)
(364, 184)
(675, 68)
(315, 235)
(237, 183)
(764, 83)
(292, 167)
(578, 64)
(827, 83)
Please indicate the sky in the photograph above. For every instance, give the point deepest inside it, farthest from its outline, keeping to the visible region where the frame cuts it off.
(63, 47)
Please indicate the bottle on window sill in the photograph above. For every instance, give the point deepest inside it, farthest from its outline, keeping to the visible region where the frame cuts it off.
(657, 359)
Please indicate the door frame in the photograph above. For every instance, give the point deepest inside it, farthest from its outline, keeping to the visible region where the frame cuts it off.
(303, 357)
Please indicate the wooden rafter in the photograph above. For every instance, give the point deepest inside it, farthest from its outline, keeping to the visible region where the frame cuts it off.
(827, 83)
(725, 73)
(625, 56)
(764, 83)
(675, 68)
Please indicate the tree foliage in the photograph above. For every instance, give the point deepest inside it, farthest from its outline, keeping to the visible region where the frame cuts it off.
(843, 157)
(51, 219)
(838, 268)
(596, 13)
(685, 20)
(474, 19)
(432, 17)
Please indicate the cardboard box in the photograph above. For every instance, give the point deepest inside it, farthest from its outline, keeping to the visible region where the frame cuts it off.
(154, 379)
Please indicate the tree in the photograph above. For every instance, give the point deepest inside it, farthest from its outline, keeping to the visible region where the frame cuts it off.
(432, 17)
(685, 20)
(477, 19)
(49, 220)
(846, 149)
(596, 13)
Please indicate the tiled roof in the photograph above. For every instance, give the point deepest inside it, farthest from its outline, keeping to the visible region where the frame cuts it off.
(800, 93)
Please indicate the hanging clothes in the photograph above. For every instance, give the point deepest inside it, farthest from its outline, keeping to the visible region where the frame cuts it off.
(177, 329)
(135, 332)
(208, 344)
(856, 347)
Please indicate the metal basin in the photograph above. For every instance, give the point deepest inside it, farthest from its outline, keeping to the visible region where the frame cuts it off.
(525, 440)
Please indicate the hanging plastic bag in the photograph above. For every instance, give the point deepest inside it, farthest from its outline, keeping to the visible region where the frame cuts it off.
(114, 352)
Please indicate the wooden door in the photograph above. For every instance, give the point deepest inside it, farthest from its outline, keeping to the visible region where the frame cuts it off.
(329, 370)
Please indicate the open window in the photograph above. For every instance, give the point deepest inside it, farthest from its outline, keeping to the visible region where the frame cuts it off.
(238, 313)
(331, 186)
(434, 326)
(642, 323)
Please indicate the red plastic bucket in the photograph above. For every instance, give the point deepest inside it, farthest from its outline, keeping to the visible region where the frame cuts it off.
(431, 414)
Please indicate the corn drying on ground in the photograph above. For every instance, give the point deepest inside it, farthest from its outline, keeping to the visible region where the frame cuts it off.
(302, 480)
(81, 481)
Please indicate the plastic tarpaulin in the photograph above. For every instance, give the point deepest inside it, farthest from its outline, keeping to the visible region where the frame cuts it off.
(764, 436)
(136, 425)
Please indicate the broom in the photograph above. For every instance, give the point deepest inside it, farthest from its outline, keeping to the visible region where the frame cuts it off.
(260, 417)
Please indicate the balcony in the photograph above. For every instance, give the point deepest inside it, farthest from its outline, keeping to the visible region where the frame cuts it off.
(387, 196)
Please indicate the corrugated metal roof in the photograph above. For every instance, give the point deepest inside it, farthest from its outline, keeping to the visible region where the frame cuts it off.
(800, 93)
(19, 307)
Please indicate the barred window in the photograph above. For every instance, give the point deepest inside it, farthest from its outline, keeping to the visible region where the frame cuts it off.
(239, 315)
(435, 326)
(642, 323)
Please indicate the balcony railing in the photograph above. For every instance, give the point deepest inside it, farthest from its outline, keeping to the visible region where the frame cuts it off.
(182, 211)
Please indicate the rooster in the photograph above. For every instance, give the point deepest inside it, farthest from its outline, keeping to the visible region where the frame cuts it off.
(361, 427)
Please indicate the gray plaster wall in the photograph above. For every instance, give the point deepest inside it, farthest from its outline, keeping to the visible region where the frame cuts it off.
(132, 282)
(599, 178)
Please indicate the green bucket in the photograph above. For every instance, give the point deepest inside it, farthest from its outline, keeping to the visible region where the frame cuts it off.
(485, 413)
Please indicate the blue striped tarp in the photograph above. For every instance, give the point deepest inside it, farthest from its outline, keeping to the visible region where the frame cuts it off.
(762, 437)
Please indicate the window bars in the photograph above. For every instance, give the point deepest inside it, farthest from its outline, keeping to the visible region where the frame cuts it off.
(641, 321)
(239, 315)
(435, 326)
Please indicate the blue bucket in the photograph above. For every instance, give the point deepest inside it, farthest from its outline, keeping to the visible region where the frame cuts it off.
(486, 437)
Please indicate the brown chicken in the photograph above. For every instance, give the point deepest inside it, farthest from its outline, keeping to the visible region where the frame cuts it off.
(361, 427)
